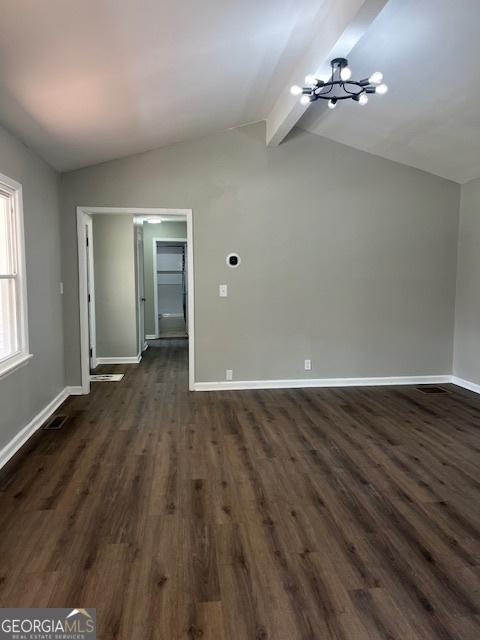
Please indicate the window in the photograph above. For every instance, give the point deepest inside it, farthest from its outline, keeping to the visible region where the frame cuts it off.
(13, 293)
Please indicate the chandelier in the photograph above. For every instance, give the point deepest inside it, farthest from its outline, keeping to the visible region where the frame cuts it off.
(339, 86)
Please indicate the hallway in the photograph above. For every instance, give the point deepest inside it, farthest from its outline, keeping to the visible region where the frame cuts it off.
(284, 514)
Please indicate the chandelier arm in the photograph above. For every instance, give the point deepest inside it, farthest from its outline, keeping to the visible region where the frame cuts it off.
(331, 84)
(347, 97)
(353, 93)
(323, 93)
(341, 85)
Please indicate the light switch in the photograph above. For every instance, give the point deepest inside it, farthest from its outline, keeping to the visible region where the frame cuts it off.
(223, 291)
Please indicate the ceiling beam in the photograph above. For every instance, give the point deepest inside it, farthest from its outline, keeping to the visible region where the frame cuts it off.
(340, 26)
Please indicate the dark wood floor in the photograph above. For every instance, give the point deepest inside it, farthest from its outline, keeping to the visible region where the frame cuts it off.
(172, 327)
(300, 514)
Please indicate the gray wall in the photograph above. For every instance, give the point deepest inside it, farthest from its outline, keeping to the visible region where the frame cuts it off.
(467, 318)
(348, 259)
(150, 231)
(115, 286)
(29, 389)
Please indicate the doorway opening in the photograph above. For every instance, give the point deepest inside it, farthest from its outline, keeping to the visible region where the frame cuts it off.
(133, 289)
(170, 276)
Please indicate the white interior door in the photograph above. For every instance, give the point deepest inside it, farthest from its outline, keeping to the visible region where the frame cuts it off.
(141, 292)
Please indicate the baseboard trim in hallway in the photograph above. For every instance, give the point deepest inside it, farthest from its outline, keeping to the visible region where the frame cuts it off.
(74, 391)
(17, 442)
(466, 384)
(121, 360)
(320, 382)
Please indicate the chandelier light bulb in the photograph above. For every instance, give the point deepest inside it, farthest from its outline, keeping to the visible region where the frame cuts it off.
(363, 99)
(296, 90)
(332, 104)
(376, 77)
(345, 73)
(310, 79)
(305, 99)
(381, 89)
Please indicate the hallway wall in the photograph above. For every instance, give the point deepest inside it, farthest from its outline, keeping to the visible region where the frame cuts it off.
(348, 259)
(466, 364)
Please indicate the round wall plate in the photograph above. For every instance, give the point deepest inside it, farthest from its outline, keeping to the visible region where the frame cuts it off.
(233, 260)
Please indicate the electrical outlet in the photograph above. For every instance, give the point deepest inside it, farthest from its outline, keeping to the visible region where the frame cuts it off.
(223, 291)
(61, 288)
(308, 365)
(229, 374)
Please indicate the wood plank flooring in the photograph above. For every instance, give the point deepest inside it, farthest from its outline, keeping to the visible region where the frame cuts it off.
(346, 514)
(172, 327)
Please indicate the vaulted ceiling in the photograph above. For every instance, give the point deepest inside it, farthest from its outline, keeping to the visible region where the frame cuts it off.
(83, 82)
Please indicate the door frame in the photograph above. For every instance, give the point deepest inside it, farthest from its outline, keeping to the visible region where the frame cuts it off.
(92, 329)
(140, 287)
(83, 215)
(155, 274)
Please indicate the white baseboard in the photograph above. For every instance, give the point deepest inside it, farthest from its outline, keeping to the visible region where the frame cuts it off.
(320, 382)
(121, 360)
(10, 449)
(151, 336)
(145, 346)
(466, 384)
(171, 315)
(74, 391)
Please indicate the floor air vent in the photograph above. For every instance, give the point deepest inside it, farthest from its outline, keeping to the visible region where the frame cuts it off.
(432, 390)
(55, 423)
(106, 377)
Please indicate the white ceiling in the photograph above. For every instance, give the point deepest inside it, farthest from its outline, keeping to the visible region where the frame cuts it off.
(429, 51)
(82, 81)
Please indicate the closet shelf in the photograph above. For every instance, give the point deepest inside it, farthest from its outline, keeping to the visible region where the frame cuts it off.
(167, 271)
